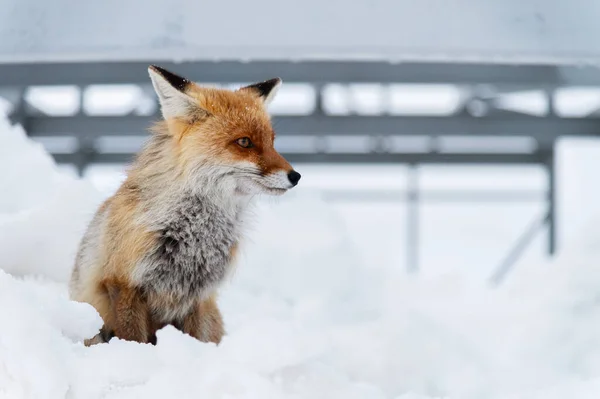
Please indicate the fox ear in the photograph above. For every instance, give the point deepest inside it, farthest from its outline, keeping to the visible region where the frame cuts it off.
(171, 91)
(265, 90)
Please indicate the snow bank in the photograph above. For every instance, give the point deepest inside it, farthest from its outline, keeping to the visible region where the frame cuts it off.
(306, 317)
(43, 213)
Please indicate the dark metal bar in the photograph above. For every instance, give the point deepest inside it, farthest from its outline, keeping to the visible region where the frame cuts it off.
(396, 158)
(311, 71)
(544, 130)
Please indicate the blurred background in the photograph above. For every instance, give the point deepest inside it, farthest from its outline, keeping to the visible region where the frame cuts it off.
(449, 135)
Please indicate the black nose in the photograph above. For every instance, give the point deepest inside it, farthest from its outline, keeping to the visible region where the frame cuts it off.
(294, 177)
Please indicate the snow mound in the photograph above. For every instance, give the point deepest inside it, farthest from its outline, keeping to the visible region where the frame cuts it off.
(305, 316)
(43, 213)
(36, 342)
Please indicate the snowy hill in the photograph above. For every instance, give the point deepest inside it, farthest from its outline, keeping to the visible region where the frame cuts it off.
(355, 332)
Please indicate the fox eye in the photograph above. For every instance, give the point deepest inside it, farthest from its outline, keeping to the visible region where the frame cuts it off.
(244, 142)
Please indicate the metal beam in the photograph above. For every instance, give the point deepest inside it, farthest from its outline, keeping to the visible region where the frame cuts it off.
(318, 72)
(545, 130)
(379, 158)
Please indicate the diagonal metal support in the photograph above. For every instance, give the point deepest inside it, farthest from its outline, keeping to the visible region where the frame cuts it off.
(515, 253)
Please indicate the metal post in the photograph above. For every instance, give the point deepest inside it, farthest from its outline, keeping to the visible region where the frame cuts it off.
(412, 221)
(551, 171)
(18, 114)
(319, 109)
(85, 152)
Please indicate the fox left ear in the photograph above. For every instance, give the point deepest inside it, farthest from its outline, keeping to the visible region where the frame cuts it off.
(172, 94)
(265, 90)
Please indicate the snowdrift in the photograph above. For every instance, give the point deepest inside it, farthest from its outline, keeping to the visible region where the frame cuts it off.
(305, 316)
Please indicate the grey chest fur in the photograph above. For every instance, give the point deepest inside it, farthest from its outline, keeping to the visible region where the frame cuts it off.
(194, 249)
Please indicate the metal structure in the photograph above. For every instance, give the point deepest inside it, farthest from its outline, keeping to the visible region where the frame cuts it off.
(531, 138)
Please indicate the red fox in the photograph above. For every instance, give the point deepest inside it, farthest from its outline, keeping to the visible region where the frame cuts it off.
(156, 251)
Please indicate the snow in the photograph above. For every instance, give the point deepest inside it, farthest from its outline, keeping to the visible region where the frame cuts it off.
(39, 197)
(509, 31)
(306, 316)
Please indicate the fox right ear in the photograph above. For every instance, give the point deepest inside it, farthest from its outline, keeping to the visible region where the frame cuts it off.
(266, 90)
(171, 91)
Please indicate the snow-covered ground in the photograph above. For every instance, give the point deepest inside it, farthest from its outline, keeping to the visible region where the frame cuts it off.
(307, 314)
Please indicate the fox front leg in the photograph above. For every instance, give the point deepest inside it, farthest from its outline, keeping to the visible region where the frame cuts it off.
(205, 322)
(131, 316)
(103, 336)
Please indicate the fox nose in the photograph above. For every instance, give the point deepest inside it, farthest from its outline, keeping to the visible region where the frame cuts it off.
(294, 177)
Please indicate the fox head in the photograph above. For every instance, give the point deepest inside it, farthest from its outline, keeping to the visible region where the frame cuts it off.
(225, 134)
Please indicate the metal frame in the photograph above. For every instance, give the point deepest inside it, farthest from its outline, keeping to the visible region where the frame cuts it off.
(483, 83)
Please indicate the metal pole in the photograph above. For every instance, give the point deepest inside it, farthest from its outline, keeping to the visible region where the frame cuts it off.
(551, 171)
